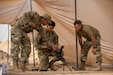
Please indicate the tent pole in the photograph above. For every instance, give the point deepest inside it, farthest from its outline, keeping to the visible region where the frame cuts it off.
(8, 47)
(32, 38)
(33, 49)
(76, 36)
(31, 4)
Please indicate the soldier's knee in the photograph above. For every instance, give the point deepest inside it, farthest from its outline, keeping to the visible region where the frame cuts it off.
(83, 58)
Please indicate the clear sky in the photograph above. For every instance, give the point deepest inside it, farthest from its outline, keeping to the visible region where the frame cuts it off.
(4, 32)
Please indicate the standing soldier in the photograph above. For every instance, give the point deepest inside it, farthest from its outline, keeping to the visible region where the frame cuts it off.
(20, 41)
(93, 37)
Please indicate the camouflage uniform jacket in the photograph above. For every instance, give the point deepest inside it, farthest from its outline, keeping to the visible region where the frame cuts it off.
(87, 31)
(20, 40)
(46, 39)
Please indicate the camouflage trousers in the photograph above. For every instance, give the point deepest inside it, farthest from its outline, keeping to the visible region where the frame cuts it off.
(44, 59)
(17, 51)
(87, 45)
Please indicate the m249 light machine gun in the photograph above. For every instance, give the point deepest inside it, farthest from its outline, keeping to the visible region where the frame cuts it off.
(61, 58)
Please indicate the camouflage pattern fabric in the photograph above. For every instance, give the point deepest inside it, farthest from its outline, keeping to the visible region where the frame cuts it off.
(20, 42)
(45, 40)
(87, 45)
(32, 17)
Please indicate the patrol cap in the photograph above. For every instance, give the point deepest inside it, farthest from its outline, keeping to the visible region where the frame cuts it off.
(31, 15)
(47, 17)
(21, 21)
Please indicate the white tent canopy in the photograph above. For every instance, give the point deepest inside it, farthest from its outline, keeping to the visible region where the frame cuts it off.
(98, 13)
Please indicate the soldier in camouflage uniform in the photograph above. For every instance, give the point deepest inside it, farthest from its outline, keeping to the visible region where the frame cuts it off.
(93, 37)
(45, 44)
(44, 21)
(20, 42)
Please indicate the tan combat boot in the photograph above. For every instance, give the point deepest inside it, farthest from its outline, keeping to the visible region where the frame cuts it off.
(99, 67)
(51, 64)
(22, 65)
(82, 66)
(15, 65)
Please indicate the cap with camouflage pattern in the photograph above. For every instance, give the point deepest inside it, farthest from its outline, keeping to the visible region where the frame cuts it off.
(47, 17)
(31, 15)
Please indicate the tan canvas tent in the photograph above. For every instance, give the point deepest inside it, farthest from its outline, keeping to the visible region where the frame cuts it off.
(98, 13)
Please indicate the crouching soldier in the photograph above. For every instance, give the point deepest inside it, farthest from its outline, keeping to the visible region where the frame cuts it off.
(46, 43)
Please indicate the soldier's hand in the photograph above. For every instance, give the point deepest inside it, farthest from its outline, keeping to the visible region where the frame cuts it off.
(55, 48)
(44, 47)
(82, 51)
(94, 51)
(47, 47)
